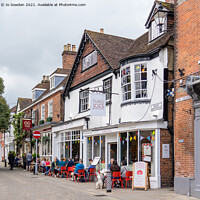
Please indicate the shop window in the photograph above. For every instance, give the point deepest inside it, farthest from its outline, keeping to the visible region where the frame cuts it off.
(107, 87)
(147, 150)
(89, 150)
(126, 83)
(133, 147)
(123, 140)
(84, 100)
(140, 81)
(67, 150)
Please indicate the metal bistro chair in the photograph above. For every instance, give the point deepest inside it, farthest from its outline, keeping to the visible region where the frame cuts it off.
(81, 173)
(117, 177)
(69, 171)
(63, 171)
(92, 173)
(128, 177)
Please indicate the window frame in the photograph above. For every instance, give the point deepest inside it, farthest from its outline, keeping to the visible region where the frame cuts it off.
(82, 99)
(123, 85)
(33, 116)
(43, 112)
(82, 70)
(140, 81)
(50, 114)
(109, 95)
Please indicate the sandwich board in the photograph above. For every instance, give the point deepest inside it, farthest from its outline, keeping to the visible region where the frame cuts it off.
(140, 175)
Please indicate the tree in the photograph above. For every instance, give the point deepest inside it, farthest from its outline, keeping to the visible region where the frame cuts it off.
(4, 110)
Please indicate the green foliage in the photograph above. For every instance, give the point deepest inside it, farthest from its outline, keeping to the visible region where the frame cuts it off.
(19, 134)
(33, 142)
(4, 110)
(34, 155)
(1, 86)
(45, 139)
(12, 153)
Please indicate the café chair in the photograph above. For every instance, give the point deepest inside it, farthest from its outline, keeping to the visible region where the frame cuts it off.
(117, 177)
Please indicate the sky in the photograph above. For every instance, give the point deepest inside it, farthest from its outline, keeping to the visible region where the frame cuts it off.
(32, 37)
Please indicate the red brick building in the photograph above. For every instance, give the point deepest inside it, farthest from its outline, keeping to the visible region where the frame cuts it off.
(47, 107)
(186, 110)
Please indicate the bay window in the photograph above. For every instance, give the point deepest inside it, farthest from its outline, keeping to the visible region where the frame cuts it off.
(126, 83)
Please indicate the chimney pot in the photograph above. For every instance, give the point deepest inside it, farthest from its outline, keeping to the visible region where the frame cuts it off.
(47, 78)
(44, 77)
(101, 30)
(65, 47)
(74, 48)
(69, 47)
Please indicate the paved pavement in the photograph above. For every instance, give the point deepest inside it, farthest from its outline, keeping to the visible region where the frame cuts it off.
(21, 185)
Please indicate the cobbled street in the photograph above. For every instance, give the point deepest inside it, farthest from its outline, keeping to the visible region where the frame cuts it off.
(20, 185)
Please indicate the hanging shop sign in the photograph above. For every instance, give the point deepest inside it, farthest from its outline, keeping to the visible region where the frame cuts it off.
(98, 104)
(140, 175)
(27, 124)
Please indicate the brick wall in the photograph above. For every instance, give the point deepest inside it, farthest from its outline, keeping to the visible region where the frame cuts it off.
(91, 72)
(187, 55)
(166, 164)
(68, 58)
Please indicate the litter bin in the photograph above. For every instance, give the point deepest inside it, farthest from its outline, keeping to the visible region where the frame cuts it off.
(108, 182)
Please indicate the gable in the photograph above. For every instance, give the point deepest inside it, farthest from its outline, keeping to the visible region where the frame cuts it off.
(92, 69)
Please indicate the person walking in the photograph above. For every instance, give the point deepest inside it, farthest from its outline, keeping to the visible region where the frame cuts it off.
(11, 159)
(28, 161)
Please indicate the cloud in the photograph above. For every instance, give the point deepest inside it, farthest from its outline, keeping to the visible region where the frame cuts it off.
(32, 38)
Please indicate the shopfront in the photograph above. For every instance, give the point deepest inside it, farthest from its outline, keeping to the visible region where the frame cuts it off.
(69, 144)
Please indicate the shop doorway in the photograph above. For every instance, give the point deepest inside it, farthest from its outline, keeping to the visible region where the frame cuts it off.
(112, 151)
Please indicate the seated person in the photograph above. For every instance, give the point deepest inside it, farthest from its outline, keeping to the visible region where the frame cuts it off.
(111, 162)
(61, 163)
(115, 168)
(91, 166)
(76, 160)
(70, 163)
(47, 165)
(79, 166)
(54, 167)
(43, 165)
(124, 168)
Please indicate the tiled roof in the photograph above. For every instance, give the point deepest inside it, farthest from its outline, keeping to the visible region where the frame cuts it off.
(24, 102)
(142, 46)
(43, 85)
(61, 71)
(112, 47)
(13, 109)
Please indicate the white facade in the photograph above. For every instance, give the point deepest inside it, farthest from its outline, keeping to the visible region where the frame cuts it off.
(134, 118)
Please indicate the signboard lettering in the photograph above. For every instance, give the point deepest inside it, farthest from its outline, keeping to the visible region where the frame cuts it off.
(27, 124)
(98, 104)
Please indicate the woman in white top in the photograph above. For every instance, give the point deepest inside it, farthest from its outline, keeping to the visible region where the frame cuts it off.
(124, 168)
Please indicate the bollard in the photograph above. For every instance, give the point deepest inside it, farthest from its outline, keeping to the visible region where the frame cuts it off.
(5, 163)
(108, 182)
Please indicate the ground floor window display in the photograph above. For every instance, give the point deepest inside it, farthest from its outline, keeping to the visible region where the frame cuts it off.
(96, 148)
(70, 144)
(138, 146)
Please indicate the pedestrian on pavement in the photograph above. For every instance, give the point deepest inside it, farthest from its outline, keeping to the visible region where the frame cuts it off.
(24, 161)
(28, 161)
(11, 159)
(111, 162)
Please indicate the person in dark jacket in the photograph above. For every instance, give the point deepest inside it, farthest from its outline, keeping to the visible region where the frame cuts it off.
(70, 163)
(11, 159)
(114, 167)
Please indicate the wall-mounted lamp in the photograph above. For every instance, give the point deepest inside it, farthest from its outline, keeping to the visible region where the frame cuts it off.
(160, 17)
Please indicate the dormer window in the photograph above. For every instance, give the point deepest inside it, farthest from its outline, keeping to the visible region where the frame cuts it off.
(37, 92)
(56, 79)
(155, 30)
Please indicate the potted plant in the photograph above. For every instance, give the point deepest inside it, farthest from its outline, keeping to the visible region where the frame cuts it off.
(41, 121)
(49, 119)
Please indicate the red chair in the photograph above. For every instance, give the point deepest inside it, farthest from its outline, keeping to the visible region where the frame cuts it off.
(117, 177)
(92, 173)
(128, 177)
(69, 171)
(81, 173)
(62, 171)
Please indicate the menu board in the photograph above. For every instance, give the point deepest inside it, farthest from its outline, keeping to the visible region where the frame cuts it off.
(96, 161)
(139, 175)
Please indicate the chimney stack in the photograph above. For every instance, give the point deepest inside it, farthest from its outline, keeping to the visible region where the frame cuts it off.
(65, 47)
(74, 48)
(101, 30)
(169, 1)
(44, 77)
(69, 47)
(68, 56)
